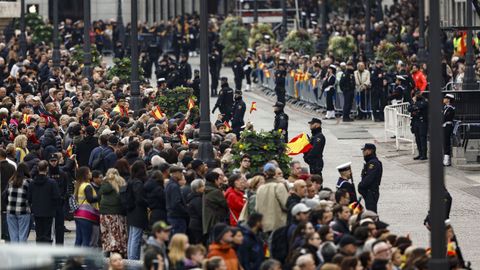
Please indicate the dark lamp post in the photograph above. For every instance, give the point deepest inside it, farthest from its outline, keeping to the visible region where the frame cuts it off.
(56, 41)
(135, 101)
(87, 49)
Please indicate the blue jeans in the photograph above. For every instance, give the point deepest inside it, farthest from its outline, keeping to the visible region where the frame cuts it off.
(134, 242)
(18, 227)
(83, 232)
(179, 225)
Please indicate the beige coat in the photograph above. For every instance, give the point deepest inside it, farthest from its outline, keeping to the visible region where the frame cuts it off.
(362, 79)
(271, 202)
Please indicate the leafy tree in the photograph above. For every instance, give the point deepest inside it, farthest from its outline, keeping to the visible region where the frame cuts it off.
(257, 35)
(342, 47)
(234, 37)
(391, 53)
(176, 100)
(78, 55)
(122, 69)
(300, 41)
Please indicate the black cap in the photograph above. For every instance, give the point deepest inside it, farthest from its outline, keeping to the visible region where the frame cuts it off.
(219, 230)
(347, 240)
(53, 157)
(279, 104)
(369, 146)
(90, 130)
(315, 120)
(197, 163)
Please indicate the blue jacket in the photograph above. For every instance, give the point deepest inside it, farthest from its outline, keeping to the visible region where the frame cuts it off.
(250, 252)
(109, 157)
(176, 205)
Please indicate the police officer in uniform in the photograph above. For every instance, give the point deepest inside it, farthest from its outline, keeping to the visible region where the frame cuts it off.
(345, 181)
(239, 108)
(214, 63)
(281, 120)
(280, 78)
(347, 85)
(448, 116)
(225, 100)
(238, 72)
(377, 78)
(174, 77)
(314, 157)
(369, 186)
(419, 113)
(185, 69)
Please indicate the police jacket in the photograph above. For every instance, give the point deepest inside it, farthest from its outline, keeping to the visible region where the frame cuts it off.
(318, 144)
(237, 68)
(239, 109)
(448, 114)
(174, 79)
(225, 99)
(185, 70)
(213, 61)
(280, 76)
(281, 122)
(419, 110)
(397, 93)
(347, 81)
(377, 79)
(371, 175)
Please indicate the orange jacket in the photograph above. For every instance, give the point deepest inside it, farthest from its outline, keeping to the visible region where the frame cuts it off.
(226, 252)
(420, 80)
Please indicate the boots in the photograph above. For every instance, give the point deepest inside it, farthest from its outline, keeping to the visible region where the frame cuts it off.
(446, 160)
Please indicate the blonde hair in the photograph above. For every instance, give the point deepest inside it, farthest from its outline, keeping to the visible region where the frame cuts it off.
(113, 177)
(20, 141)
(177, 247)
(255, 182)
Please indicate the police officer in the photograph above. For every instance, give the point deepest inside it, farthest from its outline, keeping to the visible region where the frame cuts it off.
(347, 85)
(174, 77)
(161, 86)
(238, 72)
(448, 116)
(314, 157)
(419, 113)
(345, 181)
(280, 78)
(225, 100)
(214, 63)
(369, 186)
(185, 69)
(397, 94)
(239, 108)
(377, 77)
(281, 120)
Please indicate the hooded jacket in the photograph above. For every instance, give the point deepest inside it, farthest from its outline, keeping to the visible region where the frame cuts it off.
(43, 196)
(227, 253)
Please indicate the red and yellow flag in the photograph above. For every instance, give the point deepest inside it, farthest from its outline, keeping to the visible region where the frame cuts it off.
(267, 73)
(94, 124)
(156, 112)
(191, 103)
(26, 119)
(228, 128)
(184, 139)
(298, 145)
(253, 107)
(261, 65)
(69, 150)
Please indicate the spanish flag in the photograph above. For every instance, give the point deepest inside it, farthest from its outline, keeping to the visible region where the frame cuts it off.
(156, 113)
(261, 65)
(69, 150)
(254, 106)
(184, 139)
(298, 145)
(94, 124)
(267, 73)
(228, 128)
(26, 119)
(191, 103)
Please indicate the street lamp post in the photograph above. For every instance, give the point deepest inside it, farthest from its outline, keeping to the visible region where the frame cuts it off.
(368, 34)
(120, 26)
(169, 9)
(421, 54)
(154, 10)
(161, 10)
(323, 43)
(284, 18)
(205, 148)
(469, 82)
(255, 11)
(56, 42)
(23, 38)
(147, 10)
(87, 50)
(437, 185)
(135, 101)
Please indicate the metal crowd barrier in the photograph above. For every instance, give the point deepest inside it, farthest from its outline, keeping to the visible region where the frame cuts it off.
(397, 123)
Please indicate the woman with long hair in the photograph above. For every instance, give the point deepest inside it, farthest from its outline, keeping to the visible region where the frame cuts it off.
(21, 149)
(178, 246)
(18, 212)
(113, 222)
(351, 263)
(87, 214)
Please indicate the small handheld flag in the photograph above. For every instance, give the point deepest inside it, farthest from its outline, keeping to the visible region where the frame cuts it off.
(94, 124)
(253, 107)
(156, 113)
(69, 150)
(184, 139)
(26, 119)
(298, 145)
(191, 103)
(228, 128)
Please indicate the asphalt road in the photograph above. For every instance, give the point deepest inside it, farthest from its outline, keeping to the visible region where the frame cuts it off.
(404, 192)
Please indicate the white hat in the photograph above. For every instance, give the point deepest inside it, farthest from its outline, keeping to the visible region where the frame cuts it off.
(314, 22)
(282, 57)
(332, 66)
(300, 208)
(107, 131)
(267, 36)
(344, 166)
(400, 77)
(342, 64)
(3, 111)
(250, 50)
(161, 80)
(36, 98)
(450, 96)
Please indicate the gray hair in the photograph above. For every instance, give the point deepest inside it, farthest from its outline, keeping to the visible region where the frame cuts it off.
(197, 184)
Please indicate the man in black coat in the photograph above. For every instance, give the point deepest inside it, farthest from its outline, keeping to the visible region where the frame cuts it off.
(185, 69)
(238, 72)
(372, 172)
(194, 207)
(347, 85)
(280, 79)
(419, 126)
(225, 100)
(177, 214)
(85, 146)
(314, 157)
(214, 64)
(43, 197)
(281, 120)
(377, 78)
(6, 172)
(239, 108)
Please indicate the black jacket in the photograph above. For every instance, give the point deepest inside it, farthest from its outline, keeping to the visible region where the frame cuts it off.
(6, 171)
(340, 228)
(292, 200)
(62, 179)
(138, 216)
(371, 176)
(237, 68)
(318, 144)
(224, 100)
(239, 108)
(280, 78)
(176, 206)
(194, 207)
(419, 110)
(377, 79)
(347, 81)
(281, 123)
(43, 196)
(84, 148)
(155, 195)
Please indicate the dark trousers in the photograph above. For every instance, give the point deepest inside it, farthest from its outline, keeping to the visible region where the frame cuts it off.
(5, 235)
(378, 104)
(347, 103)
(447, 139)
(236, 128)
(280, 92)
(238, 83)
(59, 225)
(214, 84)
(43, 229)
(371, 200)
(227, 115)
(330, 95)
(316, 167)
(420, 129)
(179, 225)
(247, 76)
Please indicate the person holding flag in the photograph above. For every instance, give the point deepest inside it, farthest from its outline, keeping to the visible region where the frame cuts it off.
(281, 120)
(314, 157)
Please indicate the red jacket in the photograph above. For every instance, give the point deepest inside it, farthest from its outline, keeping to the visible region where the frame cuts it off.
(227, 253)
(235, 202)
(420, 80)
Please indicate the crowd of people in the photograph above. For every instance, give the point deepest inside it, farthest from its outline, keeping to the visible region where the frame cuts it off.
(72, 149)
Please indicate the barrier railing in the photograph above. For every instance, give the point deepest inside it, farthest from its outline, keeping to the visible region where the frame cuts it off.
(397, 123)
(404, 132)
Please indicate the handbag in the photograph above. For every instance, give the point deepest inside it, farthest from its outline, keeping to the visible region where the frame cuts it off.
(72, 204)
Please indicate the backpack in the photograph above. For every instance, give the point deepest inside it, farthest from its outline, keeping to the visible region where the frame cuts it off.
(127, 199)
(97, 163)
(279, 244)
